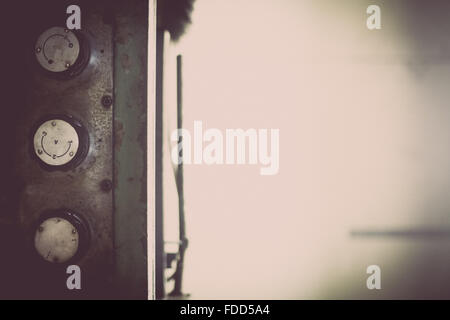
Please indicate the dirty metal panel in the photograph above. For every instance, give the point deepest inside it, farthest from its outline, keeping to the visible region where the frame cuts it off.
(130, 148)
(86, 189)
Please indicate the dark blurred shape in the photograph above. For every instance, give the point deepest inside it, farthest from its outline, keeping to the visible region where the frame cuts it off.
(174, 16)
(178, 275)
(410, 233)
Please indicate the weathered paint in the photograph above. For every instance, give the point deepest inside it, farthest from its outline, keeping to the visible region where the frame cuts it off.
(130, 147)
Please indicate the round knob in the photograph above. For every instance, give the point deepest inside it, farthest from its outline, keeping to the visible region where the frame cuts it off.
(60, 236)
(61, 51)
(60, 142)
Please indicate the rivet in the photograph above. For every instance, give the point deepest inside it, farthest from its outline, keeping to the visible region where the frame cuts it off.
(106, 185)
(106, 101)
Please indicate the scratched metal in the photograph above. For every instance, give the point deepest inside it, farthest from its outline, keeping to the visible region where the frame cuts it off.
(78, 189)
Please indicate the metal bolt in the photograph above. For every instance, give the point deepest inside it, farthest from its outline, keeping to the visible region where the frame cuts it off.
(74, 231)
(106, 185)
(106, 101)
(71, 45)
(53, 123)
(38, 49)
(39, 151)
(67, 65)
(71, 153)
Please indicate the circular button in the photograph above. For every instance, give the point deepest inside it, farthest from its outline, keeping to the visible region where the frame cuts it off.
(56, 142)
(57, 49)
(56, 240)
(60, 236)
(59, 142)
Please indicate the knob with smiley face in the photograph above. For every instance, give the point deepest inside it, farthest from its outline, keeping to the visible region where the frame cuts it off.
(60, 142)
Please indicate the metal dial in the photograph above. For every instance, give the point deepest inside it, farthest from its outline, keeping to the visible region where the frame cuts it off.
(56, 142)
(57, 49)
(56, 240)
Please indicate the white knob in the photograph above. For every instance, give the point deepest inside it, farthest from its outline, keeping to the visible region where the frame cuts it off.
(56, 240)
(56, 142)
(57, 49)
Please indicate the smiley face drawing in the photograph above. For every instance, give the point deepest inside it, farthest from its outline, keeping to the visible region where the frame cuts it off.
(56, 142)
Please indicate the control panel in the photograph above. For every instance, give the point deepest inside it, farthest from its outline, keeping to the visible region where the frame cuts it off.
(64, 155)
(73, 135)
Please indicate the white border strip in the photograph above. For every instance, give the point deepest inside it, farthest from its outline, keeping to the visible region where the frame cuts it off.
(151, 109)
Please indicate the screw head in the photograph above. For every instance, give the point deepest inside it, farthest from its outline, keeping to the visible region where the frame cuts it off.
(38, 49)
(107, 101)
(106, 185)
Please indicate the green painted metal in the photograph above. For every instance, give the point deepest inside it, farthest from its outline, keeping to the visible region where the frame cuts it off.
(130, 147)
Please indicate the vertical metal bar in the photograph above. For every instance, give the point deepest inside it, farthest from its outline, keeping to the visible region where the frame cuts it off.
(178, 276)
(151, 112)
(159, 236)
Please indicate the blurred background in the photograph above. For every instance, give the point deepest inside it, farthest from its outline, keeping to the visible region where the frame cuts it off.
(364, 171)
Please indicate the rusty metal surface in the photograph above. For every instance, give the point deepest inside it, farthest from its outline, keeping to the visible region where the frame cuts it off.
(79, 189)
(109, 187)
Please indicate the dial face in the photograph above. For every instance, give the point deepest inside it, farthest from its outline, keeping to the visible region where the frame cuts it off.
(56, 142)
(56, 240)
(57, 49)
